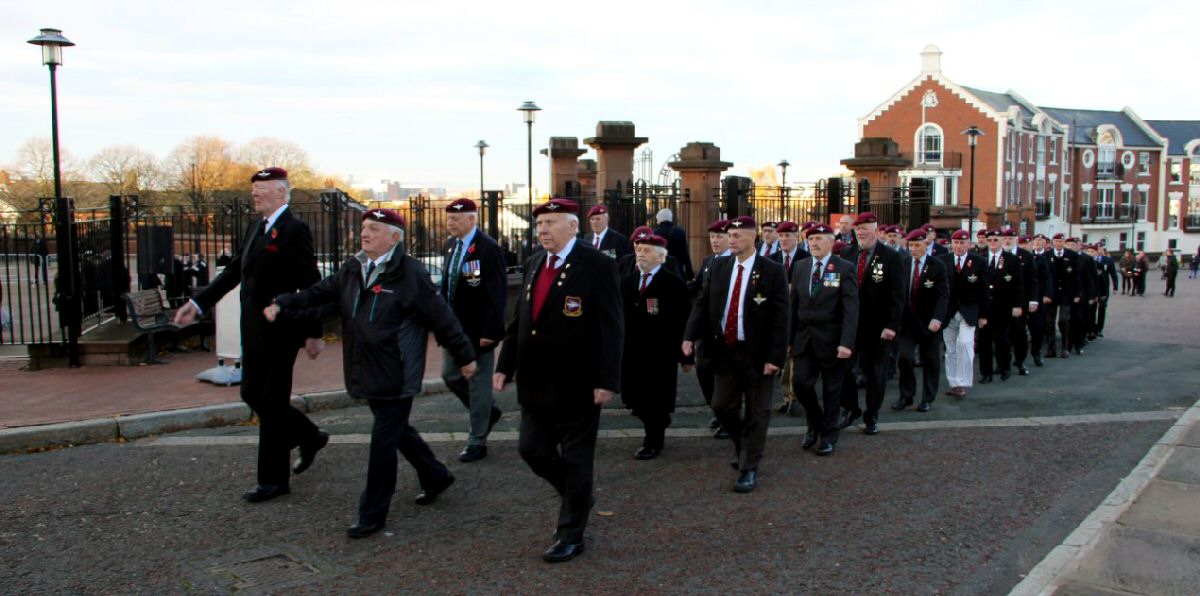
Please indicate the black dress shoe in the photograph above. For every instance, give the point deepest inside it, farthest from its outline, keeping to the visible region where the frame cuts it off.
(721, 433)
(264, 492)
(985, 379)
(736, 462)
(430, 494)
(901, 404)
(1037, 361)
(714, 423)
(309, 452)
(871, 428)
(1005, 375)
(1021, 370)
(924, 406)
(810, 439)
(848, 419)
(472, 453)
(825, 449)
(362, 530)
(644, 453)
(1079, 351)
(1064, 354)
(747, 481)
(496, 415)
(561, 552)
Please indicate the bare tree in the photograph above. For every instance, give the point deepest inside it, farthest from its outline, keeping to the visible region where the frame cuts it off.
(125, 169)
(267, 151)
(35, 163)
(199, 166)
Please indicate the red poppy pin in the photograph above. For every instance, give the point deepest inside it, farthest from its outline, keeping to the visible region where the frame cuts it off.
(377, 288)
(968, 263)
(274, 233)
(471, 249)
(272, 248)
(829, 267)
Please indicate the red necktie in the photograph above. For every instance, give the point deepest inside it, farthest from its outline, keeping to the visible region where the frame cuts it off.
(862, 265)
(645, 282)
(958, 264)
(541, 287)
(787, 263)
(916, 283)
(597, 242)
(735, 304)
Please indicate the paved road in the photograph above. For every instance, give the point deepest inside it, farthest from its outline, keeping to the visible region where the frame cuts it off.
(964, 499)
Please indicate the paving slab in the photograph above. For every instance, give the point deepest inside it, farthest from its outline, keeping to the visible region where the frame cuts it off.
(1183, 466)
(1166, 507)
(1143, 562)
(1192, 438)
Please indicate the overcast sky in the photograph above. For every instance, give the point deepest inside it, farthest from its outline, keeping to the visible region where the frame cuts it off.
(403, 90)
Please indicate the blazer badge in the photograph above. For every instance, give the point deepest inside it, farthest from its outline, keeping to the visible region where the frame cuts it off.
(573, 306)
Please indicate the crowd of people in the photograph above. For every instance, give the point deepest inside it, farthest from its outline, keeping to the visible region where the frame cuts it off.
(773, 315)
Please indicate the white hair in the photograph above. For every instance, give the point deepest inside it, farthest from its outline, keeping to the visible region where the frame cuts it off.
(664, 215)
(286, 185)
(661, 251)
(572, 217)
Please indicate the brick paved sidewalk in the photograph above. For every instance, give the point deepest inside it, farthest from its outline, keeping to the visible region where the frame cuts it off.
(61, 394)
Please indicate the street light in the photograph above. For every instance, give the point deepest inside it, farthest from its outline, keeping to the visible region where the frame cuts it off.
(529, 111)
(783, 165)
(973, 133)
(70, 315)
(482, 147)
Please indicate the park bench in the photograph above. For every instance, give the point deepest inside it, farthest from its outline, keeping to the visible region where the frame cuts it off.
(148, 311)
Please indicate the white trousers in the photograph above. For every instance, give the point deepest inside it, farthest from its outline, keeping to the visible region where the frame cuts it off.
(960, 352)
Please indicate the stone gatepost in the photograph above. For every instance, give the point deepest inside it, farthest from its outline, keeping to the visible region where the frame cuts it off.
(699, 168)
(564, 169)
(614, 144)
(878, 160)
(587, 178)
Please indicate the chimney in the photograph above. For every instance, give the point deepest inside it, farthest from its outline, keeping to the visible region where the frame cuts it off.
(931, 60)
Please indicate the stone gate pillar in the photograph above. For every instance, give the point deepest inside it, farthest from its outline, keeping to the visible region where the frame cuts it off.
(564, 169)
(699, 168)
(614, 144)
(586, 169)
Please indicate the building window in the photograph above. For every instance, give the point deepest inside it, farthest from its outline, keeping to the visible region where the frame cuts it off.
(1031, 148)
(1141, 241)
(1008, 151)
(929, 143)
(1104, 207)
(1041, 190)
(1173, 244)
(1126, 203)
(1176, 171)
(1041, 150)
(1144, 163)
(1019, 147)
(1194, 172)
(1085, 204)
(1050, 193)
(1053, 150)
(1142, 204)
(1124, 240)
(1127, 160)
(1173, 213)
(1089, 158)
(1106, 162)
(1193, 213)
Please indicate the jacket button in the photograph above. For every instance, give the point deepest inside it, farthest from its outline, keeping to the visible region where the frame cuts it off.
(534, 332)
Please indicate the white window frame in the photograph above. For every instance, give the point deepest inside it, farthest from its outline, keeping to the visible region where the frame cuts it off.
(1127, 199)
(1127, 160)
(1101, 153)
(1089, 159)
(1175, 174)
(1106, 199)
(1143, 205)
(1053, 151)
(1144, 163)
(921, 153)
(1041, 150)
(1085, 200)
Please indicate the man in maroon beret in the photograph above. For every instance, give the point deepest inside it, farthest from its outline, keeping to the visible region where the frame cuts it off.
(880, 281)
(893, 237)
(1064, 272)
(628, 263)
(276, 257)
(1018, 331)
(1035, 319)
(603, 238)
(563, 347)
(965, 312)
(926, 303)
(1006, 304)
(741, 314)
(936, 249)
(388, 308)
(788, 255)
(769, 241)
(822, 332)
(656, 306)
(475, 285)
(845, 230)
(718, 240)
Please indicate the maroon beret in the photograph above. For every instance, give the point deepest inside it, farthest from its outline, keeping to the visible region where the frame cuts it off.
(1042, 236)
(917, 234)
(1059, 236)
(960, 235)
(720, 226)
(269, 174)
(866, 217)
(981, 232)
(386, 216)
(787, 226)
(838, 246)
(462, 206)
(641, 229)
(557, 206)
(597, 210)
(1072, 239)
(770, 224)
(744, 222)
(1024, 239)
(809, 224)
(993, 232)
(820, 228)
(645, 237)
(928, 228)
(1008, 233)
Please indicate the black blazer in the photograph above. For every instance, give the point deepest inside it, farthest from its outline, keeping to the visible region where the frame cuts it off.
(801, 254)
(1066, 274)
(280, 263)
(829, 318)
(881, 294)
(1044, 271)
(1005, 285)
(614, 244)
(481, 290)
(931, 300)
(677, 246)
(969, 295)
(575, 345)
(654, 322)
(764, 311)
(1089, 277)
(1108, 274)
(1029, 278)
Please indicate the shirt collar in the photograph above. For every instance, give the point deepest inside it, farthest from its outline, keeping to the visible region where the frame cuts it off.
(274, 216)
(653, 271)
(725, 253)
(470, 237)
(601, 234)
(749, 262)
(562, 254)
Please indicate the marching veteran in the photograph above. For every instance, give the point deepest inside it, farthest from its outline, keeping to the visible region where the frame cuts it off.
(388, 305)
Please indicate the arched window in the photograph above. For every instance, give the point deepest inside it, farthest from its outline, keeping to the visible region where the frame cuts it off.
(929, 145)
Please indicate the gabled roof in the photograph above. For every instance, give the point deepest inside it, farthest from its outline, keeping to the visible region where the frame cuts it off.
(1179, 132)
(1001, 102)
(1083, 125)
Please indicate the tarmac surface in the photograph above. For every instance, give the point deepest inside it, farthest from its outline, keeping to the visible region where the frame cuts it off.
(965, 499)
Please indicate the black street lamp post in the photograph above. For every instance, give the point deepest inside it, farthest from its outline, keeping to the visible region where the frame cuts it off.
(783, 165)
(493, 217)
(52, 43)
(529, 110)
(973, 133)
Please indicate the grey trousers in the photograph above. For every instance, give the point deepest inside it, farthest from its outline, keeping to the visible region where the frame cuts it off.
(475, 393)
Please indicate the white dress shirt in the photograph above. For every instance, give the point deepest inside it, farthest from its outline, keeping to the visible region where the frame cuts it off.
(747, 267)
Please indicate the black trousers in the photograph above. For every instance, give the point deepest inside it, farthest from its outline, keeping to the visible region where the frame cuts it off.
(929, 347)
(822, 415)
(742, 402)
(1062, 314)
(872, 361)
(1139, 284)
(391, 433)
(1101, 315)
(655, 421)
(1170, 291)
(1079, 326)
(1018, 339)
(267, 389)
(559, 444)
(995, 354)
(1036, 322)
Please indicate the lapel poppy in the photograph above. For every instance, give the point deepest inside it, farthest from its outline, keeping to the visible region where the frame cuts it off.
(377, 288)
